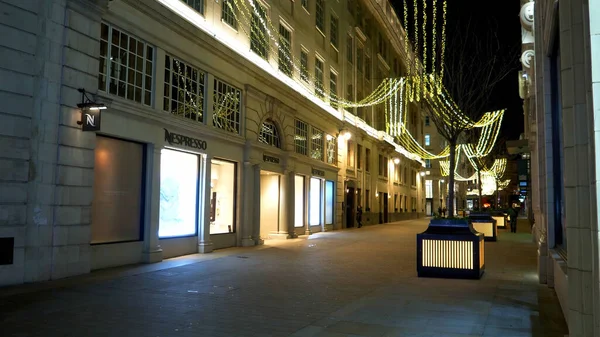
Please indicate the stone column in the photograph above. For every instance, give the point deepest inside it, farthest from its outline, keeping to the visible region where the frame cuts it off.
(307, 205)
(282, 227)
(249, 205)
(256, 215)
(291, 202)
(152, 251)
(204, 243)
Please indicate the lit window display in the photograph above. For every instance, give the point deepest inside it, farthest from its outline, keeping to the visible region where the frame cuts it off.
(222, 197)
(178, 193)
(117, 203)
(299, 201)
(329, 202)
(315, 202)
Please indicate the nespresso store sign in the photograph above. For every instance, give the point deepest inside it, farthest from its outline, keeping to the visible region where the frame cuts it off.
(270, 159)
(317, 172)
(177, 139)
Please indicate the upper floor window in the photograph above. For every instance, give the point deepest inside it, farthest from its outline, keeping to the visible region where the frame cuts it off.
(197, 5)
(228, 13)
(367, 68)
(350, 154)
(331, 150)
(285, 54)
(300, 137)
(333, 34)
(349, 49)
(319, 77)
(367, 160)
(427, 163)
(258, 33)
(269, 134)
(320, 15)
(304, 65)
(427, 140)
(316, 150)
(226, 106)
(359, 156)
(126, 65)
(305, 4)
(359, 59)
(333, 91)
(426, 120)
(184, 89)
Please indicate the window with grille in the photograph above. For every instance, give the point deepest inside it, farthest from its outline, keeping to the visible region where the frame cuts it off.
(269, 134)
(228, 13)
(285, 55)
(126, 64)
(333, 34)
(305, 4)
(319, 77)
(316, 148)
(320, 15)
(197, 5)
(258, 32)
(304, 65)
(333, 89)
(331, 150)
(301, 137)
(349, 49)
(226, 106)
(184, 89)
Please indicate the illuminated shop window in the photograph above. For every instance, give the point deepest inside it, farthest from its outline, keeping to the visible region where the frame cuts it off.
(300, 137)
(125, 67)
(222, 196)
(228, 13)
(269, 134)
(316, 201)
(329, 205)
(226, 106)
(184, 89)
(178, 193)
(299, 201)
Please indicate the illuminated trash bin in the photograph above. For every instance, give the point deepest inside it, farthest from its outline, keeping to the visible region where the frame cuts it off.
(484, 223)
(450, 248)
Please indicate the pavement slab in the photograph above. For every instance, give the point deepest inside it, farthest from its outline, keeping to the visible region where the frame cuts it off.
(355, 282)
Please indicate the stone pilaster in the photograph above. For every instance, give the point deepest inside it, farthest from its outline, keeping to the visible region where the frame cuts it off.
(205, 244)
(152, 251)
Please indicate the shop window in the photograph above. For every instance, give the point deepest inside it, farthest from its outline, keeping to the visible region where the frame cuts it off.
(118, 191)
(334, 33)
(316, 148)
(197, 5)
(178, 193)
(222, 196)
(300, 137)
(299, 201)
(319, 91)
(285, 50)
(329, 202)
(368, 160)
(320, 15)
(258, 32)
(269, 134)
(316, 201)
(226, 106)
(304, 65)
(331, 150)
(184, 89)
(126, 65)
(229, 12)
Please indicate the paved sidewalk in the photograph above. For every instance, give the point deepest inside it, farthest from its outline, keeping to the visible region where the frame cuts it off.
(357, 282)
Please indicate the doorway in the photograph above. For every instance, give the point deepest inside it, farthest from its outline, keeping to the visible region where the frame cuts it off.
(350, 207)
(428, 207)
(270, 203)
(385, 207)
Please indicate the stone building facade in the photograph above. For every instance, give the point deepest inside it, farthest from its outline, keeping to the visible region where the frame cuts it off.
(559, 88)
(208, 139)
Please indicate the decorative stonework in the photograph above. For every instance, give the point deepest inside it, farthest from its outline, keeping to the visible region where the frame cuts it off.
(526, 16)
(527, 58)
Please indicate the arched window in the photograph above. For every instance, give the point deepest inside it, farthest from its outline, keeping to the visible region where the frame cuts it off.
(269, 134)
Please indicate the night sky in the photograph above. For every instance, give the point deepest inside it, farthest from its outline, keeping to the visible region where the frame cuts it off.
(504, 17)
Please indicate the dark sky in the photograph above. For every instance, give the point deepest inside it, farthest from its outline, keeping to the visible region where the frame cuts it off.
(504, 17)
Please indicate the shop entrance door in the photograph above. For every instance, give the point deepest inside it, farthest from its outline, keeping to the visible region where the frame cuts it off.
(350, 207)
(269, 204)
(428, 207)
(385, 207)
